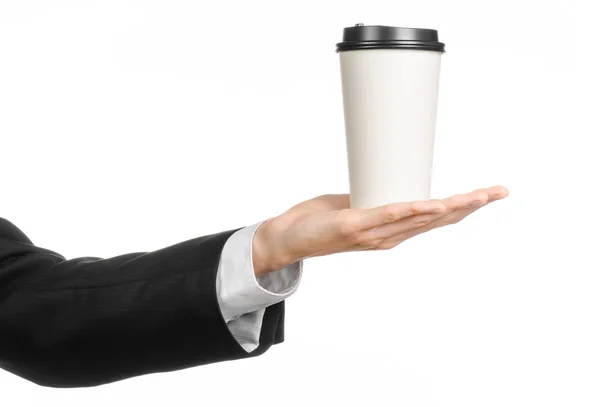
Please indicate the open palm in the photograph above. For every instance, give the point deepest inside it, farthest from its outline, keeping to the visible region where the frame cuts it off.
(326, 224)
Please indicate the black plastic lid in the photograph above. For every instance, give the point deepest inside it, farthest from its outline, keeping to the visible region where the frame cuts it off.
(378, 36)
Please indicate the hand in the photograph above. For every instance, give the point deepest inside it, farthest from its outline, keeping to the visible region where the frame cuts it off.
(326, 225)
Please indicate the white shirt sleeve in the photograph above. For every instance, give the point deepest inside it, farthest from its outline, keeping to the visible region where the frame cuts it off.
(242, 296)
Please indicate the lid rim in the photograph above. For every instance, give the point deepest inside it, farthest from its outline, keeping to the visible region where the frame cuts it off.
(356, 45)
(379, 36)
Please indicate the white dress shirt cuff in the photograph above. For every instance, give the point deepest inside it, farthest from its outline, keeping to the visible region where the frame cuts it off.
(242, 296)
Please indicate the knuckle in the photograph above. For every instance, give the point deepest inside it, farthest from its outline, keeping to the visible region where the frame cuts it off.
(421, 223)
(353, 237)
(389, 214)
(482, 197)
(367, 244)
(347, 225)
(349, 231)
(346, 229)
(413, 209)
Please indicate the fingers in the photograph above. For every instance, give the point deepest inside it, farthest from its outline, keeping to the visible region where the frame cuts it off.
(475, 198)
(404, 225)
(472, 199)
(394, 212)
(459, 207)
(421, 219)
(386, 214)
(498, 192)
(446, 219)
(387, 226)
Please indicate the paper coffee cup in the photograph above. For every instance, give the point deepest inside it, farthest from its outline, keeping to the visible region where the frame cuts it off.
(390, 79)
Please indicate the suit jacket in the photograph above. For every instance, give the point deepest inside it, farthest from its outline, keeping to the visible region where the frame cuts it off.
(89, 321)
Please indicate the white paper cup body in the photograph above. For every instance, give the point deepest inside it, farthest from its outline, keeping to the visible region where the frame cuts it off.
(390, 106)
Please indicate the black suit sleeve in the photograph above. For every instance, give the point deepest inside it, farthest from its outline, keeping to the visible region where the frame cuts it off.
(90, 321)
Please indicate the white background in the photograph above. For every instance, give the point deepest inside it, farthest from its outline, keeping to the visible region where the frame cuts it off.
(132, 125)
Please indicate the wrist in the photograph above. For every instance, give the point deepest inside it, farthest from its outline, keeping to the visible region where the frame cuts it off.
(266, 257)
